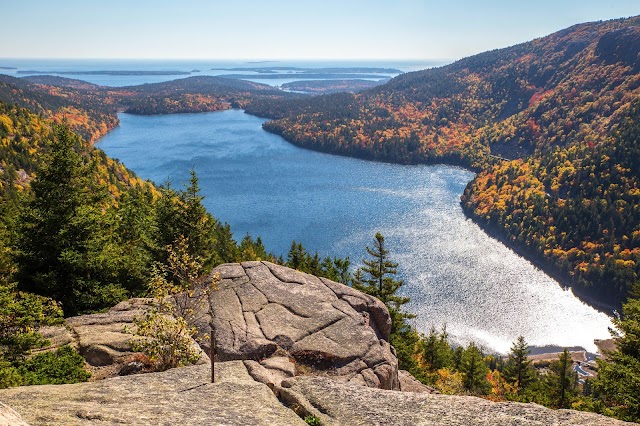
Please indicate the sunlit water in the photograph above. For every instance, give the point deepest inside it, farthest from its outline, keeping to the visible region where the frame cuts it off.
(455, 273)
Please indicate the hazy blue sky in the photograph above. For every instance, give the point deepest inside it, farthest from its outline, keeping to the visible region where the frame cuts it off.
(285, 29)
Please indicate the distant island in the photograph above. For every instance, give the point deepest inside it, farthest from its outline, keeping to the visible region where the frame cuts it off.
(333, 70)
(321, 87)
(304, 76)
(106, 72)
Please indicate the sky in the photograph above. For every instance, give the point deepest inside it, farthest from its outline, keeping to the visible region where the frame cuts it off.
(286, 29)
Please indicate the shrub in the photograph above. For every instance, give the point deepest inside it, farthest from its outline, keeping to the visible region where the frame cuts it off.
(166, 332)
(64, 365)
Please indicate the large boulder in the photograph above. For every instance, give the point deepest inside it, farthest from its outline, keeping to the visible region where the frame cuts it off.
(305, 324)
(101, 338)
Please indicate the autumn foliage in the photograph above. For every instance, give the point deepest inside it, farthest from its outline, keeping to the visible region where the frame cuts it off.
(549, 126)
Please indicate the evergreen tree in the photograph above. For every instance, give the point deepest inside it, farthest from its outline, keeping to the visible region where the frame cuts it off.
(336, 269)
(252, 250)
(379, 272)
(66, 243)
(197, 225)
(182, 214)
(137, 231)
(358, 279)
(475, 370)
(167, 215)
(562, 381)
(518, 370)
(618, 381)
(226, 247)
(296, 258)
(6, 263)
(435, 350)
(341, 268)
(313, 265)
(458, 351)
(377, 279)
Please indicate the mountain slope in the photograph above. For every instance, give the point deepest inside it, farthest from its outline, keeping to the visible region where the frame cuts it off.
(91, 110)
(553, 105)
(25, 137)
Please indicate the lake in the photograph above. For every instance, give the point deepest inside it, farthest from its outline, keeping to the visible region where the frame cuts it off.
(455, 273)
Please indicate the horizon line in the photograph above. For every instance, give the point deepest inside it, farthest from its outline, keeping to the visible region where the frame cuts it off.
(223, 59)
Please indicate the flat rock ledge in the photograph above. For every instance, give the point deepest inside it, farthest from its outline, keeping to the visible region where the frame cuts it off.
(181, 396)
(337, 404)
(283, 322)
(9, 417)
(184, 396)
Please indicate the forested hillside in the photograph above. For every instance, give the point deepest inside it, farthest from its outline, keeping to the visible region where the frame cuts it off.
(91, 110)
(548, 125)
(79, 227)
(25, 137)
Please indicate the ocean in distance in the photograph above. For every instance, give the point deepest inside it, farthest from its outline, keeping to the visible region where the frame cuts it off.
(188, 68)
(455, 273)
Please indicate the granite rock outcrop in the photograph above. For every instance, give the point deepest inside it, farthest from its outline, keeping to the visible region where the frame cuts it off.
(283, 322)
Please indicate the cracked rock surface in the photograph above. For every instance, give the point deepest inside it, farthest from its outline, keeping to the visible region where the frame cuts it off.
(265, 311)
(340, 404)
(181, 396)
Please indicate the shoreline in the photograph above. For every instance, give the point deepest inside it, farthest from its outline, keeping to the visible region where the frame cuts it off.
(487, 228)
(545, 348)
(542, 264)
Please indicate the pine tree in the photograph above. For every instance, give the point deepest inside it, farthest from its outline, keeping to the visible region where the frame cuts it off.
(182, 214)
(341, 267)
(137, 231)
(197, 225)
(297, 256)
(358, 279)
(379, 272)
(435, 350)
(377, 279)
(226, 247)
(618, 381)
(475, 370)
(562, 381)
(518, 370)
(66, 244)
(252, 250)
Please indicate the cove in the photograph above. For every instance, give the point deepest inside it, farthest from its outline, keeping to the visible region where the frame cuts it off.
(454, 272)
